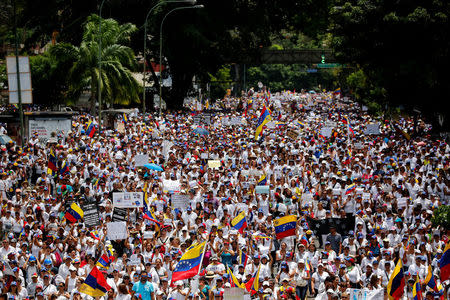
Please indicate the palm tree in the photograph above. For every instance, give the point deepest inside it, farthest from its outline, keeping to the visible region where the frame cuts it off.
(118, 86)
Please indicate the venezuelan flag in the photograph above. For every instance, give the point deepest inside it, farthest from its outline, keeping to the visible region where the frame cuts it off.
(189, 264)
(74, 213)
(64, 168)
(90, 131)
(95, 284)
(264, 118)
(396, 283)
(300, 124)
(345, 120)
(417, 290)
(337, 91)
(252, 285)
(52, 162)
(239, 222)
(95, 234)
(234, 282)
(103, 262)
(430, 281)
(285, 226)
(444, 263)
(124, 118)
(350, 188)
(262, 180)
(243, 258)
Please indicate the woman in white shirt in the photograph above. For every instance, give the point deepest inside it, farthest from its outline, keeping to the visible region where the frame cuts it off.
(301, 277)
(123, 293)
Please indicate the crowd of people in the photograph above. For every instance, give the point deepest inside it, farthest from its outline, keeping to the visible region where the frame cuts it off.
(315, 160)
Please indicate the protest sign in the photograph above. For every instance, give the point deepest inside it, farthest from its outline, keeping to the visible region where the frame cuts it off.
(326, 131)
(119, 214)
(236, 121)
(91, 217)
(337, 192)
(180, 201)
(262, 189)
(120, 127)
(292, 134)
(402, 202)
(204, 155)
(116, 230)
(128, 199)
(171, 185)
(234, 293)
(213, 164)
(372, 128)
(140, 160)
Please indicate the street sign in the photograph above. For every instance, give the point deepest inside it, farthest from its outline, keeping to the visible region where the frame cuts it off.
(311, 70)
(328, 66)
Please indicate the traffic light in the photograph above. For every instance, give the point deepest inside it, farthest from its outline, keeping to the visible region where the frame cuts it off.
(323, 59)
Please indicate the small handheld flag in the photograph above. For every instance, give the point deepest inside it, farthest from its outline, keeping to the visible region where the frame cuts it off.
(95, 284)
(285, 226)
(239, 222)
(74, 213)
(396, 285)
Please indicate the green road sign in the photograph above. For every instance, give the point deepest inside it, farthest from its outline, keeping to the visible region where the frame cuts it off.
(327, 66)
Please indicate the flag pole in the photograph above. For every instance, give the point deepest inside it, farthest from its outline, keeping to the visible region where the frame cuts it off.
(201, 261)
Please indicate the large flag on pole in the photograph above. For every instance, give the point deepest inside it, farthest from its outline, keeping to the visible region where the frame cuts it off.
(95, 284)
(396, 285)
(264, 118)
(190, 262)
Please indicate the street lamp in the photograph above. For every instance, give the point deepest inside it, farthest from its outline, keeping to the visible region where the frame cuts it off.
(99, 92)
(160, 49)
(145, 38)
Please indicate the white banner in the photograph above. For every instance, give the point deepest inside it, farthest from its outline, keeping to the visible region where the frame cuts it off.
(44, 127)
(116, 230)
(358, 294)
(233, 294)
(171, 185)
(128, 199)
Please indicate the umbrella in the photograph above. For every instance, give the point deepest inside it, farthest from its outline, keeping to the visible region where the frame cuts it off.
(201, 131)
(153, 167)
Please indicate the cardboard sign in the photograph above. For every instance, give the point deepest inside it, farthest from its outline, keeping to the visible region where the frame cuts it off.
(128, 200)
(262, 189)
(120, 127)
(119, 214)
(91, 217)
(116, 231)
(292, 134)
(140, 160)
(180, 201)
(372, 128)
(214, 164)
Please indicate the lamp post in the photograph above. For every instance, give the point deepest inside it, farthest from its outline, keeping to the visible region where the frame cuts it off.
(145, 39)
(160, 49)
(99, 92)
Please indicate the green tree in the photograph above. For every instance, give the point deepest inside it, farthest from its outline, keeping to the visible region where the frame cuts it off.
(441, 217)
(401, 47)
(118, 85)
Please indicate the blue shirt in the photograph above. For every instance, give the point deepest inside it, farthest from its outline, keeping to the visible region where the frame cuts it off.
(145, 290)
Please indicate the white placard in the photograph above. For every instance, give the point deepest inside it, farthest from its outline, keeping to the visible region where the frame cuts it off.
(140, 160)
(359, 191)
(166, 148)
(372, 128)
(180, 201)
(337, 192)
(171, 185)
(262, 189)
(128, 199)
(116, 230)
(326, 131)
(233, 294)
(204, 155)
(366, 196)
